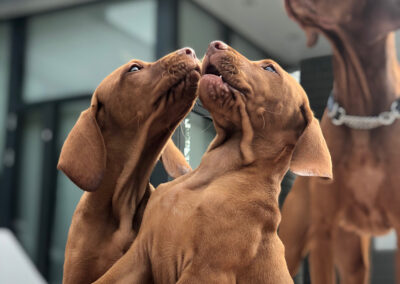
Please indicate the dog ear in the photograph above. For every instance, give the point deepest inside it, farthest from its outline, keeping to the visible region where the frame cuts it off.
(173, 160)
(311, 32)
(311, 156)
(83, 155)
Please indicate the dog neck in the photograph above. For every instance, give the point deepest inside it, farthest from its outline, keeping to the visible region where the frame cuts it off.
(366, 74)
(226, 161)
(131, 156)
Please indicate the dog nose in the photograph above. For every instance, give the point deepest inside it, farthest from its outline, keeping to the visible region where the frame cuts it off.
(188, 51)
(217, 45)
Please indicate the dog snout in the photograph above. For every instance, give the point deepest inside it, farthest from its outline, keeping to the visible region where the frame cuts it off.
(217, 45)
(188, 51)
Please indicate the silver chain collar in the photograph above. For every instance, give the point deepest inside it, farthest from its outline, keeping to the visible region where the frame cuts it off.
(338, 116)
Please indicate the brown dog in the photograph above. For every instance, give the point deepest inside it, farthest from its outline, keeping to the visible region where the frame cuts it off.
(218, 223)
(111, 152)
(335, 221)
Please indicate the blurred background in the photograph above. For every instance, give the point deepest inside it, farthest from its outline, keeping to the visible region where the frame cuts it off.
(53, 54)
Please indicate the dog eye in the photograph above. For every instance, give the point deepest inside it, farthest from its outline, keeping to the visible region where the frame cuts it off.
(270, 68)
(135, 68)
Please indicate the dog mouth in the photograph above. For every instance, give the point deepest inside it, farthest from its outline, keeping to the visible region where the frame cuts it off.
(197, 69)
(212, 69)
(225, 79)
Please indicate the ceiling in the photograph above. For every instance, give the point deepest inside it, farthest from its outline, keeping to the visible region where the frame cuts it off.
(15, 8)
(266, 23)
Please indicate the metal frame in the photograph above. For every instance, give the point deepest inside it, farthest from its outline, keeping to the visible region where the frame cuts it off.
(167, 40)
(13, 131)
(49, 135)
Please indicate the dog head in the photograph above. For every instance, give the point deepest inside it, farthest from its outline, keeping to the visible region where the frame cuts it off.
(333, 17)
(150, 98)
(267, 106)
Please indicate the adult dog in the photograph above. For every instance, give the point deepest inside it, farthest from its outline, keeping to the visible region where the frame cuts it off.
(111, 151)
(334, 222)
(218, 224)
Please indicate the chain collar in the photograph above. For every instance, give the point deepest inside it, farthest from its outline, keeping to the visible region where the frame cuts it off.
(338, 116)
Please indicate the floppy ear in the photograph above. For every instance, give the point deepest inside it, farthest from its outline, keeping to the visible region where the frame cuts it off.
(173, 160)
(311, 32)
(83, 155)
(311, 156)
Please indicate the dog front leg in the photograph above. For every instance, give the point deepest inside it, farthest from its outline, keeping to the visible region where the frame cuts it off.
(398, 256)
(323, 212)
(133, 267)
(351, 254)
(321, 256)
(294, 227)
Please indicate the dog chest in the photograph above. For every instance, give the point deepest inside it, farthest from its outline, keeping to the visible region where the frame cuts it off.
(361, 192)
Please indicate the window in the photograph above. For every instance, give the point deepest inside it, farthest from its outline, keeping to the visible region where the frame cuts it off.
(70, 52)
(4, 67)
(26, 221)
(67, 195)
(198, 133)
(196, 28)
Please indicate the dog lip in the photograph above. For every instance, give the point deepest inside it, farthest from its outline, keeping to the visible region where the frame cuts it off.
(211, 69)
(230, 87)
(197, 69)
(214, 77)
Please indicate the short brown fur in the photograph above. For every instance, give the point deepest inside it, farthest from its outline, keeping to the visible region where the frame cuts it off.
(112, 150)
(334, 222)
(218, 224)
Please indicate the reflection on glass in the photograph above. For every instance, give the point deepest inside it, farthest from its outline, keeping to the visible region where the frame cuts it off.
(70, 52)
(26, 221)
(386, 242)
(196, 28)
(383, 258)
(67, 196)
(246, 48)
(4, 66)
(198, 132)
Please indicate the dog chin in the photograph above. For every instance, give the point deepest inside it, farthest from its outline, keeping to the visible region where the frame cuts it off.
(192, 80)
(215, 94)
(187, 86)
(194, 76)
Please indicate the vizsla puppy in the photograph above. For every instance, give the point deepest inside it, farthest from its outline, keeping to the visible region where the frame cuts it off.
(334, 222)
(111, 152)
(218, 224)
